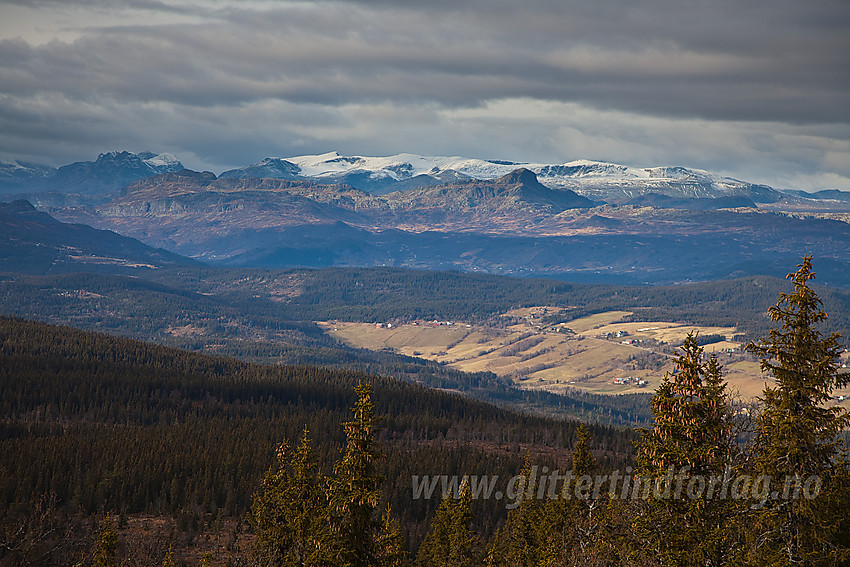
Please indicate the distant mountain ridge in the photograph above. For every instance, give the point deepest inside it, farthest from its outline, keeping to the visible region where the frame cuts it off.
(33, 242)
(108, 173)
(586, 221)
(510, 225)
(667, 202)
(825, 195)
(192, 212)
(22, 176)
(595, 180)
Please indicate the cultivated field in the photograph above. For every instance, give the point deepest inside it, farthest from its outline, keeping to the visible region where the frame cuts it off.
(598, 353)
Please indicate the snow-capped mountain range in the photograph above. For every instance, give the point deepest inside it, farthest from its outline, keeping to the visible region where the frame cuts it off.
(405, 166)
(596, 180)
(448, 213)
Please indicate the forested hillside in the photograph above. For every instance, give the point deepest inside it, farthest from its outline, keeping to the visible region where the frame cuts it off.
(106, 423)
(221, 303)
(379, 294)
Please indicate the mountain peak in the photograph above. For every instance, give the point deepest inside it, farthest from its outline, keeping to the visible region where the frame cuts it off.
(157, 163)
(268, 168)
(24, 210)
(17, 207)
(524, 183)
(110, 172)
(521, 176)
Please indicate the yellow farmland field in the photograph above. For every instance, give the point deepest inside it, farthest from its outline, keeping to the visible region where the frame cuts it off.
(593, 359)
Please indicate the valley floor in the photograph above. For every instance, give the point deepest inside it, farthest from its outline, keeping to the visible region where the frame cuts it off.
(601, 353)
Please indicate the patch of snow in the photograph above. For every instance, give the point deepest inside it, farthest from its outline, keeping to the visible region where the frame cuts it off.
(12, 166)
(162, 160)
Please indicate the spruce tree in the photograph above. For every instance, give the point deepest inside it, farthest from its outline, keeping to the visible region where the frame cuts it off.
(355, 489)
(168, 560)
(583, 460)
(691, 439)
(291, 510)
(390, 542)
(303, 518)
(796, 433)
(106, 550)
(571, 527)
(691, 418)
(520, 542)
(449, 542)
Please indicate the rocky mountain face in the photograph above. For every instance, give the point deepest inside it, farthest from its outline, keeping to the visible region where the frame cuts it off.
(198, 215)
(662, 201)
(107, 174)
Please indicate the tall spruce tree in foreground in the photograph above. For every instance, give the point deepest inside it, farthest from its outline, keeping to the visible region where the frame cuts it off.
(552, 529)
(573, 525)
(354, 492)
(390, 542)
(796, 435)
(291, 511)
(106, 549)
(303, 518)
(583, 460)
(691, 417)
(519, 543)
(691, 440)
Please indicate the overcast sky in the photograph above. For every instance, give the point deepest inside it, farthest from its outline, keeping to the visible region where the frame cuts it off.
(755, 89)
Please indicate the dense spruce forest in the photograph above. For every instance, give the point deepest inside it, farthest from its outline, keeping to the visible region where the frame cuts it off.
(106, 423)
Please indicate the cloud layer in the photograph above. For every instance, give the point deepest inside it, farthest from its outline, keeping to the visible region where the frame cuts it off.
(757, 90)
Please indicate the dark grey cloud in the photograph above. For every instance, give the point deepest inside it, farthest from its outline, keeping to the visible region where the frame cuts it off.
(289, 75)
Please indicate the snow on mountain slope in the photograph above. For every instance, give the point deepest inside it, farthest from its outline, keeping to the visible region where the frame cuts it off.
(110, 172)
(405, 166)
(16, 176)
(398, 167)
(594, 179)
(161, 163)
